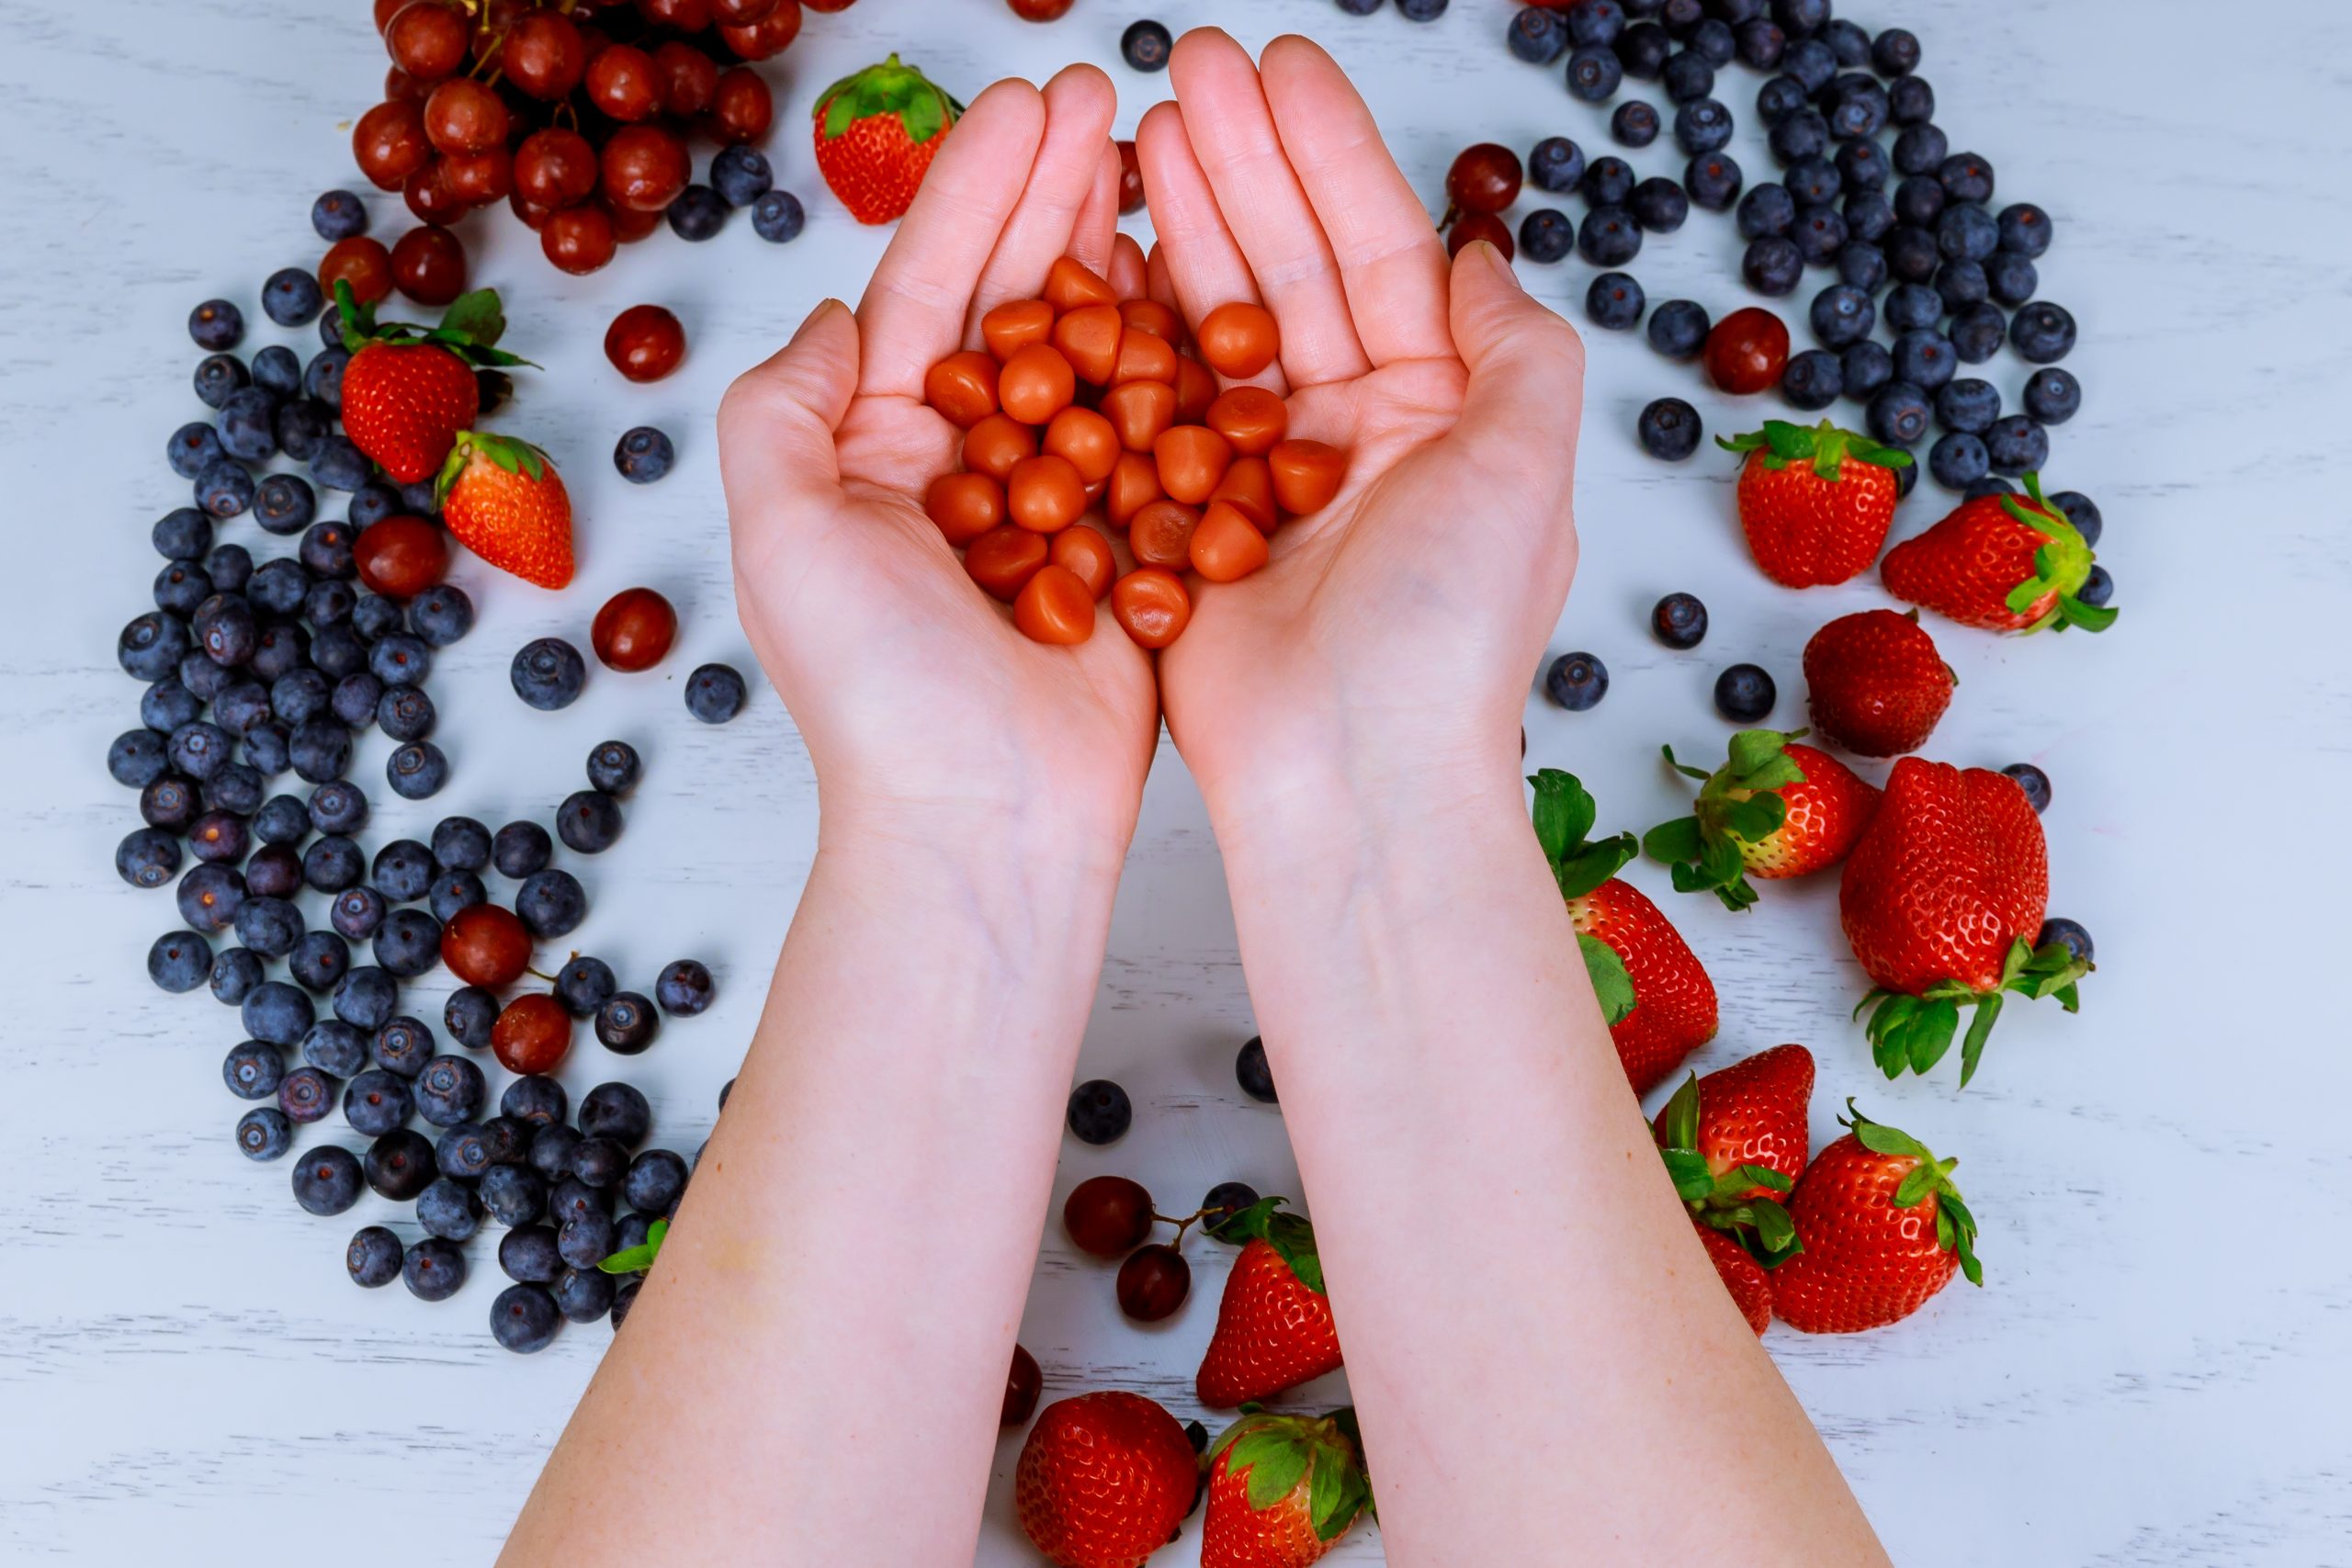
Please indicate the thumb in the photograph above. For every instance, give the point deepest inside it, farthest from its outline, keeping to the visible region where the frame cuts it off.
(777, 422)
(1526, 364)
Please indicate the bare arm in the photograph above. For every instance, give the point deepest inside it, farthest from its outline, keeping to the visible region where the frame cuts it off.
(814, 1370)
(1543, 1361)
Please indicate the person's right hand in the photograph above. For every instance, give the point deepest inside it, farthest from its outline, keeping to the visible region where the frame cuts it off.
(1390, 640)
(924, 711)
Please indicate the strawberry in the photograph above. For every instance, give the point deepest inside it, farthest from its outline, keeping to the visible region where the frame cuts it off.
(1283, 1490)
(1776, 809)
(1735, 1143)
(1750, 1286)
(1816, 502)
(2003, 562)
(1883, 1229)
(1274, 1327)
(506, 503)
(1104, 1480)
(1941, 902)
(1659, 1002)
(1877, 683)
(876, 132)
(407, 391)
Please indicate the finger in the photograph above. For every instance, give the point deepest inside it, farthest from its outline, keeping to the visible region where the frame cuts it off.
(1204, 264)
(776, 425)
(1526, 383)
(1391, 262)
(1098, 220)
(1159, 282)
(1129, 275)
(913, 312)
(1233, 138)
(1078, 102)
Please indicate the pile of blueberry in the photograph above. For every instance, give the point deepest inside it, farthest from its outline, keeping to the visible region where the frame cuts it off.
(1870, 188)
(255, 669)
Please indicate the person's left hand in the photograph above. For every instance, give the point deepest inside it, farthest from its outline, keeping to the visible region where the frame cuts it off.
(923, 709)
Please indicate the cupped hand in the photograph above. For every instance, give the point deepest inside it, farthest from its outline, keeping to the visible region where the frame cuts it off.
(915, 694)
(1392, 636)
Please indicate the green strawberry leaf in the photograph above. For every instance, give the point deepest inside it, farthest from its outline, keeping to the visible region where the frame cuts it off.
(1564, 816)
(1702, 775)
(637, 1259)
(1611, 986)
(1956, 1230)
(1679, 1121)
(1755, 820)
(1765, 1176)
(2073, 612)
(1753, 750)
(1276, 1461)
(1776, 1235)
(1677, 840)
(1687, 1168)
(476, 315)
(1980, 1029)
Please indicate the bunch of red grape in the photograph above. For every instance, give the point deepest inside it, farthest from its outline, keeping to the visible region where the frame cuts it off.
(575, 113)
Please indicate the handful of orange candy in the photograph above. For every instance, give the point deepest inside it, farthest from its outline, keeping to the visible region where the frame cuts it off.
(1081, 398)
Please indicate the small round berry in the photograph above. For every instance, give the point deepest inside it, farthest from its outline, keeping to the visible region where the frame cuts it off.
(1146, 45)
(2034, 781)
(1153, 1282)
(1098, 1111)
(2068, 934)
(1669, 430)
(1679, 621)
(1745, 693)
(1577, 682)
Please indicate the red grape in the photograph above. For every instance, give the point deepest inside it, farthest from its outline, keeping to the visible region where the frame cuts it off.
(555, 168)
(1107, 1215)
(1130, 179)
(544, 55)
(625, 84)
(645, 342)
(534, 217)
(683, 16)
(479, 179)
(463, 116)
(1484, 178)
(644, 166)
(1021, 1387)
(385, 11)
(429, 265)
(429, 197)
(629, 226)
(767, 37)
(689, 78)
(742, 109)
(1153, 1282)
(1028, 10)
(1479, 226)
(578, 239)
(390, 142)
(743, 13)
(429, 38)
(634, 630)
(400, 557)
(533, 1034)
(398, 83)
(1747, 350)
(362, 261)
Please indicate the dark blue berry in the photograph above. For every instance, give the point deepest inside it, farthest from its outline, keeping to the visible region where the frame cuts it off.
(433, 1269)
(1608, 182)
(264, 1133)
(2010, 278)
(1643, 48)
(1958, 460)
(715, 693)
(1911, 101)
(217, 375)
(274, 871)
(1555, 165)
(1577, 682)
(277, 1012)
(1912, 257)
(151, 646)
(2082, 511)
(1863, 266)
(1595, 74)
(453, 891)
(655, 1181)
(1669, 430)
(1659, 205)
(305, 1095)
(521, 848)
(2041, 332)
(291, 297)
(302, 427)
(584, 1295)
(147, 857)
(184, 533)
(338, 805)
(335, 1048)
(589, 820)
(583, 984)
(252, 1070)
(1862, 166)
(329, 604)
(449, 1209)
(1608, 237)
(1913, 307)
(527, 1254)
(1702, 125)
(327, 1180)
(1595, 22)
(685, 988)
(1678, 329)
(1687, 77)
(776, 215)
(235, 973)
(408, 943)
(643, 455)
(550, 1153)
(1919, 202)
(1965, 232)
(1772, 265)
(405, 713)
(2052, 396)
(697, 213)
(1098, 1111)
(135, 759)
(523, 1319)
(1679, 621)
(216, 325)
(398, 1164)
(180, 961)
(470, 1015)
(2025, 230)
(1803, 136)
(1812, 181)
(1813, 380)
(1894, 52)
(209, 895)
(400, 660)
(1745, 693)
(338, 215)
(1925, 359)
(740, 175)
(2018, 444)
(1842, 314)
(321, 750)
(1635, 123)
(269, 926)
(1819, 234)
(2066, 933)
(449, 1091)
(192, 449)
(339, 465)
(417, 770)
(1538, 37)
(172, 803)
(1978, 331)
(326, 550)
(1767, 208)
(355, 697)
(2034, 781)
(247, 426)
(373, 1258)
(367, 998)
(551, 903)
(1966, 176)
(1921, 150)
(548, 675)
(219, 836)
(1614, 301)
(1898, 414)
(1781, 97)
(374, 501)
(1968, 405)
(627, 1023)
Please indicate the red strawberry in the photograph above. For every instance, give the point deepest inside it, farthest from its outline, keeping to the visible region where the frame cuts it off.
(2003, 562)
(1750, 1286)
(1877, 683)
(407, 392)
(1883, 1229)
(1283, 1490)
(1776, 809)
(876, 131)
(1274, 1327)
(506, 503)
(1941, 902)
(1816, 502)
(1659, 1003)
(1735, 1143)
(1104, 1480)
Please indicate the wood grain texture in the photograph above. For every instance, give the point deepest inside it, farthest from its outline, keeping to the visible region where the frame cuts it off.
(2158, 1368)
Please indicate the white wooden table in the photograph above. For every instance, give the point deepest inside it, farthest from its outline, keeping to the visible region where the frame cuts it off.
(2158, 1368)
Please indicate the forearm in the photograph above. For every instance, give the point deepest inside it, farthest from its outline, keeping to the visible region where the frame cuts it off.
(814, 1370)
(1537, 1345)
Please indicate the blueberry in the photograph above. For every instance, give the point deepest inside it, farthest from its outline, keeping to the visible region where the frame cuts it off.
(235, 973)
(433, 1269)
(216, 325)
(697, 213)
(1679, 621)
(2034, 781)
(338, 805)
(514, 1195)
(305, 1095)
(417, 770)
(408, 943)
(355, 697)
(1772, 265)
(217, 375)
(1595, 73)
(1608, 182)
(277, 648)
(1801, 136)
(2082, 511)
(1702, 125)
(1898, 414)
(740, 175)
(264, 1133)
(685, 988)
(224, 489)
(1745, 693)
(1614, 301)
(400, 660)
(147, 857)
(135, 759)
(589, 820)
(1678, 329)
(548, 674)
(1813, 380)
(449, 1091)
(374, 1103)
(192, 449)
(521, 848)
(278, 586)
(1862, 166)
(405, 713)
(1643, 48)
(1965, 232)
(321, 750)
(247, 426)
(172, 803)
(1894, 52)
(453, 891)
(1635, 124)
(1250, 1070)
(277, 1012)
(1912, 257)
(299, 695)
(643, 455)
(715, 693)
(373, 1258)
(1912, 306)
(291, 297)
(1920, 150)
(1911, 101)
(615, 1111)
(1813, 182)
(335, 1048)
(1966, 176)
(1098, 1111)
(2052, 396)
(252, 1070)
(269, 748)
(1819, 234)
(1958, 460)
(583, 984)
(1687, 77)
(550, 1153)
(185, 533)
(274, 871)
(523, 1318)
(1659, 205)
(2068, 934)
(1858, 113)
(327, 1180)
(1978, 331)
(374, 501)
(151, 647)
(269, 926)
(1760, 44)
(527, 1254)
(2043, 334)
(180, 961)
(2018, 444)
(1861, 264)
(1669, 430)
(2025, 230)
(367, 998)
(219, 836)
(338, 215)
(339, 465)
(551, 903)
(585, 1239)
(329, 603)
(1968, 405)
(626, 1022)
(776, 215)
(1925, 359)
(449, 1209)
(1538, 37)
(1593, 22)
(1577, 682)
(2010, 278)
(1843, 314)
(1767, 209)
(470, 1015)
(584, 1295)
(326, 550)
(1608, 237)
(1713, 42)
(398, 1164)
(1779, 98)
(1919, 202)
(1555, 165)
(467, 1152)
(656, 1181)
